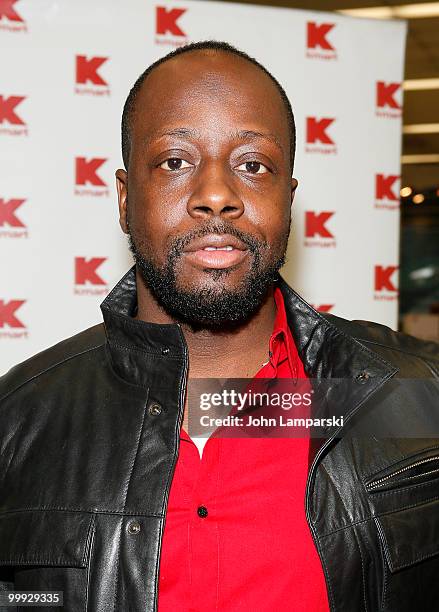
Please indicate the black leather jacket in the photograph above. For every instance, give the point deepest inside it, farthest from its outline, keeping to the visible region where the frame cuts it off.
(89, 437)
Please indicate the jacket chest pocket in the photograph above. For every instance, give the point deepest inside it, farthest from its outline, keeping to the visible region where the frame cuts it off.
(405, 504)
(410, 535)
(47, 551)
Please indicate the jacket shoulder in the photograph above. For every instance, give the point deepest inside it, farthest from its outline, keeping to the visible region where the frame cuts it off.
(384, 337)
(50, 358)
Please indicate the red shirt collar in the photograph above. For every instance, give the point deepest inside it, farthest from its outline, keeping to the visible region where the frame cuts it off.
(281, 346)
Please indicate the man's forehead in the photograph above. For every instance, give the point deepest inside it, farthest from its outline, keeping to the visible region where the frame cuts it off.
(230, 83)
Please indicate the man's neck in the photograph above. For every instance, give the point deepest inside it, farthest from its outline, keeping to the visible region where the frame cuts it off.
(235, 352)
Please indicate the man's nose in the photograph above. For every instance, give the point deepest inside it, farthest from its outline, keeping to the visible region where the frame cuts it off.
(214, 193)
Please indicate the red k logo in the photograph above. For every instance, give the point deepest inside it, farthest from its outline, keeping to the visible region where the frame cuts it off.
(7, 10)
(384, 185)
(316, 35)
(86, 171)
(7, 313)
(7, 213)
(316, 130)
(315, 224)
(383, 279)
(385, 94)
(87, 70)
(166, 21)
(324, 307)
(7, 109)
(85, 270)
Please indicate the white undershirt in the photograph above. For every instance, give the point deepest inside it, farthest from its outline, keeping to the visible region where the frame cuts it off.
(200, 444)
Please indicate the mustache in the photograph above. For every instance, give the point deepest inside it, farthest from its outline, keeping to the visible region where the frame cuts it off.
(179, 243)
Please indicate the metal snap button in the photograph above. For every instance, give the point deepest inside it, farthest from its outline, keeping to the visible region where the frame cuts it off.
(362, 377)
(133, 527)
(155, 409)
(165, 350)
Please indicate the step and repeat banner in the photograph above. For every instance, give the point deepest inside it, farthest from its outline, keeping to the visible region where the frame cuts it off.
(66, 70)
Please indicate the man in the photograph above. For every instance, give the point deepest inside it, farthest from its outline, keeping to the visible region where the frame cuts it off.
(103, 494)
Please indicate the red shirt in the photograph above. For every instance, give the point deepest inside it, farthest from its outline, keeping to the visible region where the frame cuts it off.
(254, 549)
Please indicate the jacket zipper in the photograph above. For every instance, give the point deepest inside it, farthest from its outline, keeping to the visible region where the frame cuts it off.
(376, 484)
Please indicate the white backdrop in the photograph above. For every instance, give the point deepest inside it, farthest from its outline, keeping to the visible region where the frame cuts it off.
(66, 70)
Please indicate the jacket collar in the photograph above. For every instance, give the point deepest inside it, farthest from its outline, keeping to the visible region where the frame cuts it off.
(350, 371)
(326, 350)
(118, 310)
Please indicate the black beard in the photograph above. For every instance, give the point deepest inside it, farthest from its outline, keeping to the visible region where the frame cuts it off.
(207, 307)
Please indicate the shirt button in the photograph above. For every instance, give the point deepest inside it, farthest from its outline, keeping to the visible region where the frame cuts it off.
(133, 527)
(155, 409)
(165, 350)
(202, 511)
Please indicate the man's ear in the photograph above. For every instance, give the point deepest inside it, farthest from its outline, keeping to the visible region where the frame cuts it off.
(294, 184)
(121, 186)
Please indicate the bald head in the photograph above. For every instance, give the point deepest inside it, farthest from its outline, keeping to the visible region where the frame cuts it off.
(205, 67)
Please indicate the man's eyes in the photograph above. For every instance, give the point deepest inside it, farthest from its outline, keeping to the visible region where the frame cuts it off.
(176, 163)
(253, 167)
